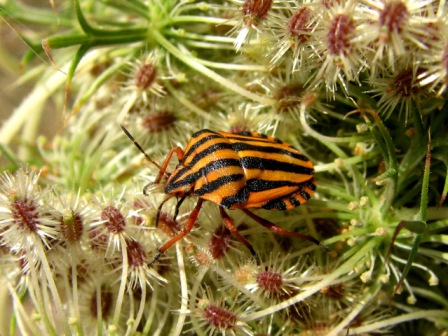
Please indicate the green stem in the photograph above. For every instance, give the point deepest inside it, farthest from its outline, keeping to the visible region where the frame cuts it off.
(190, 61)
(431, 315)
(31, 15)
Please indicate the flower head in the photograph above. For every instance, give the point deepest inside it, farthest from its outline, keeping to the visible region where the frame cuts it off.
(145, 76)
(397, 27)
(294, 28)
(219, 315)
(25, 219)
(402, 90)
(253, 13)
(276, 279)
(136, 264)
(341, 46)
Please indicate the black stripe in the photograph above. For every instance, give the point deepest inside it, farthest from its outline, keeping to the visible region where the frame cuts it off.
(239, 197)
(198, 133)
(251, 162)
(261, 185)
(217, 164)
(216, 184)
(179, 173)
(294, 201)
(202, 141)
(188, 180)
(245, 146)
(276, 204)
(311, 186)
(305, 195)
(209, 150)
(194, 176)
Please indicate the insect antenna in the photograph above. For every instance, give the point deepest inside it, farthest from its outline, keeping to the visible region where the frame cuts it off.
(141, 149)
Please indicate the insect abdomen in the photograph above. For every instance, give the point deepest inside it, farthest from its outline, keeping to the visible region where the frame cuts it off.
(277, 175)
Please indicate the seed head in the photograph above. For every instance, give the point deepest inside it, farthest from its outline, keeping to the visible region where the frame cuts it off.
(299, 24)
(113, 220)
(394, 16)
(340, 35)
(255, 10)
(25, 218)
(270, 282)
(274, 280)
(220, 242)
(159, 121)
(145, 76)
(135, 253)
(72, 227)
(218, 317)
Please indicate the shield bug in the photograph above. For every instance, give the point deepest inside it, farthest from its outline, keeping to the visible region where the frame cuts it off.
(236, 171)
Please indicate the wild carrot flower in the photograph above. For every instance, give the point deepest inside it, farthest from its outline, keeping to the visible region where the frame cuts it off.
(220, 315)
(401, 91)
(145, 77)
(158, 125)
(397, 27)
(275, 279)
(435, 55)
(294, 28)
(253, 14)
(76, 218)
(26, 223)
(341, 46)
(289, 93)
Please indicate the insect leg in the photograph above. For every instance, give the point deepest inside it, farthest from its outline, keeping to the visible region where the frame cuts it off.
(278, 230)
(159, 209)
(180, 155)
(228, 222)
(187, 228)
(179, 203)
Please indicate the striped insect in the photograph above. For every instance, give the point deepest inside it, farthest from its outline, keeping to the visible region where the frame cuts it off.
(236, 171)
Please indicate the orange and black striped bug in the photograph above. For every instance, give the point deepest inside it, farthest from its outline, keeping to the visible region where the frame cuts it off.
(236, 171)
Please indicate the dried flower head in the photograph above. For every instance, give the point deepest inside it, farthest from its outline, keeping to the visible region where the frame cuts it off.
(145, 77)
(26, 222)
(219, 315)
(108, 232)
(397, 27)
(253, 13)
(400, 91)
(276, 279)
(139, 272)
(159, 121)
(76, 216)
(294, 29)
(220, 242)
(341, 46)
